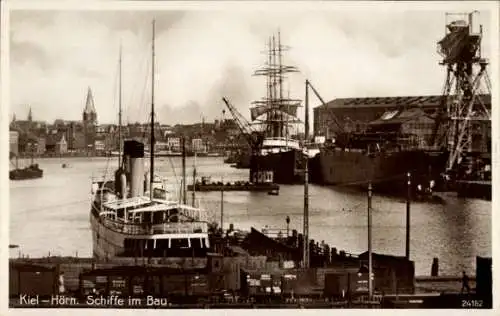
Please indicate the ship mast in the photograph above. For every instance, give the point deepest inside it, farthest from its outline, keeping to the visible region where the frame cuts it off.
(270, 96)
(120, 111)
(152, 138)
(276, 106)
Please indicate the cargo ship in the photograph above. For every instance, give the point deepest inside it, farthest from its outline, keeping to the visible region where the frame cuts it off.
(131, 216)
(384, 154)
(277, 115)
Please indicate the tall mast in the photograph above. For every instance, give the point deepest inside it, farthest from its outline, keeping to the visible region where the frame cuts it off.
(152, 144)
(276, 103)
(194, 180)
(120, 111)
(275, 95)
(280, 88)
(270, 114)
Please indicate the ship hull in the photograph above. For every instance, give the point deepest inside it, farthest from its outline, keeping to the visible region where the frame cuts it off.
(287, 166)
(109, 243)
(105, 242)
(386, 171)
(25, 174)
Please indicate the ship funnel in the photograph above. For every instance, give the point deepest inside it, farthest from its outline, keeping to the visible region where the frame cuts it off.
(133, 152)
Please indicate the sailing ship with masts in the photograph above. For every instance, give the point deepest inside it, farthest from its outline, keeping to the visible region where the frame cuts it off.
(32, 171)
(130, 214)
(280, 152)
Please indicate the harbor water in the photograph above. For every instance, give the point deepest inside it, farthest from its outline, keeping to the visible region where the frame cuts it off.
(51, 215)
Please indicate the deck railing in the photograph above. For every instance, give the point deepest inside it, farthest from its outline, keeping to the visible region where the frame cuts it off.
(149, 229)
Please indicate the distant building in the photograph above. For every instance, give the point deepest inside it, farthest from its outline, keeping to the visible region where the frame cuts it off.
(161, 146)
(356, 113)
(197, 145)
(174, 143)
(89, 121)
(41, 146)
(14, 142)
(413, 123)
(75, 136)
(62, 145)
(99, 145)
(56, 143)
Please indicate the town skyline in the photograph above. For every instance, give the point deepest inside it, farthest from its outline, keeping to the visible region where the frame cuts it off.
(202, 56)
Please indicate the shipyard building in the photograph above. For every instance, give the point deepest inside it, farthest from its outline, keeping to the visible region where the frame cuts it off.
(394, 114)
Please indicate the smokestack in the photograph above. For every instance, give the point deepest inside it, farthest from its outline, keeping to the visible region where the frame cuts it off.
(133, 152)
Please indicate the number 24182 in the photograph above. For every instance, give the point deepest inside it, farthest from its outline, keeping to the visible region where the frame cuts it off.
(472, 303)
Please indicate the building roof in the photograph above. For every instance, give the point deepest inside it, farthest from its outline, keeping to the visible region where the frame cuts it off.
(89, 103)
(431, 101)
(400, 116)
(53, 139)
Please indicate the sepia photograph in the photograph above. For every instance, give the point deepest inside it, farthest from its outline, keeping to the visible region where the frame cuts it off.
(243, 155)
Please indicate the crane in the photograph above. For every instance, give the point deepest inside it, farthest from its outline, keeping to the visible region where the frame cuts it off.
(462, 107)
(253, 137)
(341, 133)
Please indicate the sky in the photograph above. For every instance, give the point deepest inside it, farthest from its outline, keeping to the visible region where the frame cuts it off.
(202, 56)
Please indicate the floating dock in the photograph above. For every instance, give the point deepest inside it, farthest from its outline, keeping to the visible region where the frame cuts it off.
(235, 186)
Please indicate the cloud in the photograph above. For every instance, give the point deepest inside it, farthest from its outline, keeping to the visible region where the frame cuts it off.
(204, 55)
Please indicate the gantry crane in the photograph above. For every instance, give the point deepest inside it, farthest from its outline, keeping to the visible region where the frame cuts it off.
(463, 103)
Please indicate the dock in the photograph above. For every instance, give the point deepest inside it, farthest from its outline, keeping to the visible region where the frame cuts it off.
(241, 275)
(196, 283)
(474, 189)
(205, 186)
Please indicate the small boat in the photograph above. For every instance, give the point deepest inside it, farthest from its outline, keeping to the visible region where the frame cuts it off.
(13, 246)
(274, 192)
(64, 165)
(33, 171)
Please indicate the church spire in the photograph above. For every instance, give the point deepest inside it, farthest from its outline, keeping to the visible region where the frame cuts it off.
(89, 103)
(30, 116)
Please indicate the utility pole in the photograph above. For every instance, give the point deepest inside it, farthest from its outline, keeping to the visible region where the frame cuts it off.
(306, 186)
(194, 181)
(370, 267)
(408, 201)
(120, 112)
(184, 195)
(222, 208)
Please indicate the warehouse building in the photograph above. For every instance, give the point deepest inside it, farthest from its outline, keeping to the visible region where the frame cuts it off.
(360, 114)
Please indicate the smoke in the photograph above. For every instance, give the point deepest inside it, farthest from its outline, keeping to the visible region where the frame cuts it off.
(202, 56)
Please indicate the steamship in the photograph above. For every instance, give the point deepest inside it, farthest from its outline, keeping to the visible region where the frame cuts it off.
(131, 215)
